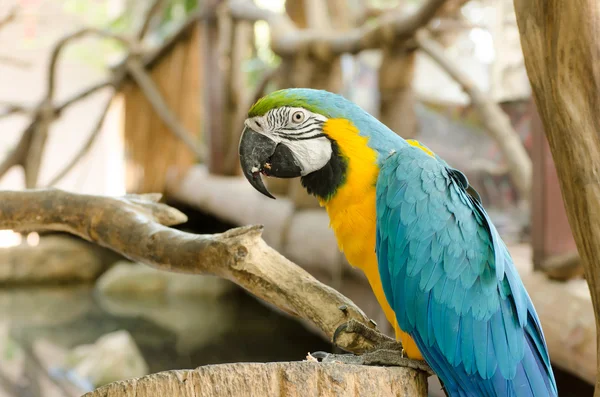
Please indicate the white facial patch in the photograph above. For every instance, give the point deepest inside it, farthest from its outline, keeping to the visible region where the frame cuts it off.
(301, 131)
(312, 154)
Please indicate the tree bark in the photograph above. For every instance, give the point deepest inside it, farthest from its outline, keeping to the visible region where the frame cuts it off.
(285, 379)
(561, 50)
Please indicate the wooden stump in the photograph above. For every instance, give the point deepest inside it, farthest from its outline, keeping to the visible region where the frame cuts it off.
(283, 379)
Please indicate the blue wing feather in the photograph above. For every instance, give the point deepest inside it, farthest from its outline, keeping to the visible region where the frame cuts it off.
(452, 283)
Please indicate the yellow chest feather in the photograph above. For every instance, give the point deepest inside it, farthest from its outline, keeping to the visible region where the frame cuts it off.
(352, 214)
(351, 209)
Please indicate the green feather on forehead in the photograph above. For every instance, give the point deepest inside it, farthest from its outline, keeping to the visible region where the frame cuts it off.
(289, 98)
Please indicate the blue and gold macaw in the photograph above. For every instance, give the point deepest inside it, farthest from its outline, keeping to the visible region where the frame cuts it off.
(412, 223)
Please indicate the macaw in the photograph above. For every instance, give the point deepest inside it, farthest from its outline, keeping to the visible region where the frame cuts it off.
(418, 231)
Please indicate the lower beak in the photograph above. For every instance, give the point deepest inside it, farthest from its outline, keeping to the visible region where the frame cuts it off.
(259, 154)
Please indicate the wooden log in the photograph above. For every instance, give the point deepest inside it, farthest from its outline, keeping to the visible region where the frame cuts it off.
(284, 379)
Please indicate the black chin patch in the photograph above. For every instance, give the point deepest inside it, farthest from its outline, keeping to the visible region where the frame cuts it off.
(324, 182)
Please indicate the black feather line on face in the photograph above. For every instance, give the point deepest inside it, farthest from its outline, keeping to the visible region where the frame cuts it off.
(324, 182)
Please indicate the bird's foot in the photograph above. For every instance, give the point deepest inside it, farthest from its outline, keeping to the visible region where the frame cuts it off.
(380, 357)
(374, 339)
(379, 349)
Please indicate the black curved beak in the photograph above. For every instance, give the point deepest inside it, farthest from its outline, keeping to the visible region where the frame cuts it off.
(260, 154)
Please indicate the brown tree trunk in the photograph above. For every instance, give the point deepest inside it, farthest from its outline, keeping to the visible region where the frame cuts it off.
(561, 49)
(397, 104)
(397, 98)
(213, 93)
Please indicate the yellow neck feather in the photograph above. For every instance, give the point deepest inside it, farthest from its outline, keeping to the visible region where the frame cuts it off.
(352, 214)
(352, 208)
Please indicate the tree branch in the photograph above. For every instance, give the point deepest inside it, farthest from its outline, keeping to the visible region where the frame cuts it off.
(14, 62)
(133, 226)
(112, 82)
(14, 108)
(85, 148)
(288, 41)
(51, 83)
(18, 154)
(152, 10)
(8, 18)
(494, 119)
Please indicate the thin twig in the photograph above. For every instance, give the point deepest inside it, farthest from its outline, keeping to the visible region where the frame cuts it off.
(14, 62)
(14, 108)
(33, 160)
(146, 84)
(10, 17)
(85, 148)
(18, 154)
(494, 119)
(152, 10)
(50, 80)
(84, 94)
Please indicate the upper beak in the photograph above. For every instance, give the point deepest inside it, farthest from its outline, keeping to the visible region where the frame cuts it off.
(259, 154)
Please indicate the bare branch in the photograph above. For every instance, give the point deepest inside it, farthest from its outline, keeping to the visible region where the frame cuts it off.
(17, 107)
(494, 119)
(85, 93)
(386, 28)
(45, 115)
(10, 17)
(51, 83)
(14, 108)
(134, 228)
(85, 148)
(14, 62)
(18, 154)
(152, 11)
(159, 105)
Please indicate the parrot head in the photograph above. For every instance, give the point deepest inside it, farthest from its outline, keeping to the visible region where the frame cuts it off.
(289, 134)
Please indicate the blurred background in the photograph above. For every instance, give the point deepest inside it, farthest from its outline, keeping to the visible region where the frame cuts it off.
(126, 96)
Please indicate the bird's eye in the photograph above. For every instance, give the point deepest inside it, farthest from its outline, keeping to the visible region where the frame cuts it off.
(298, 117)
